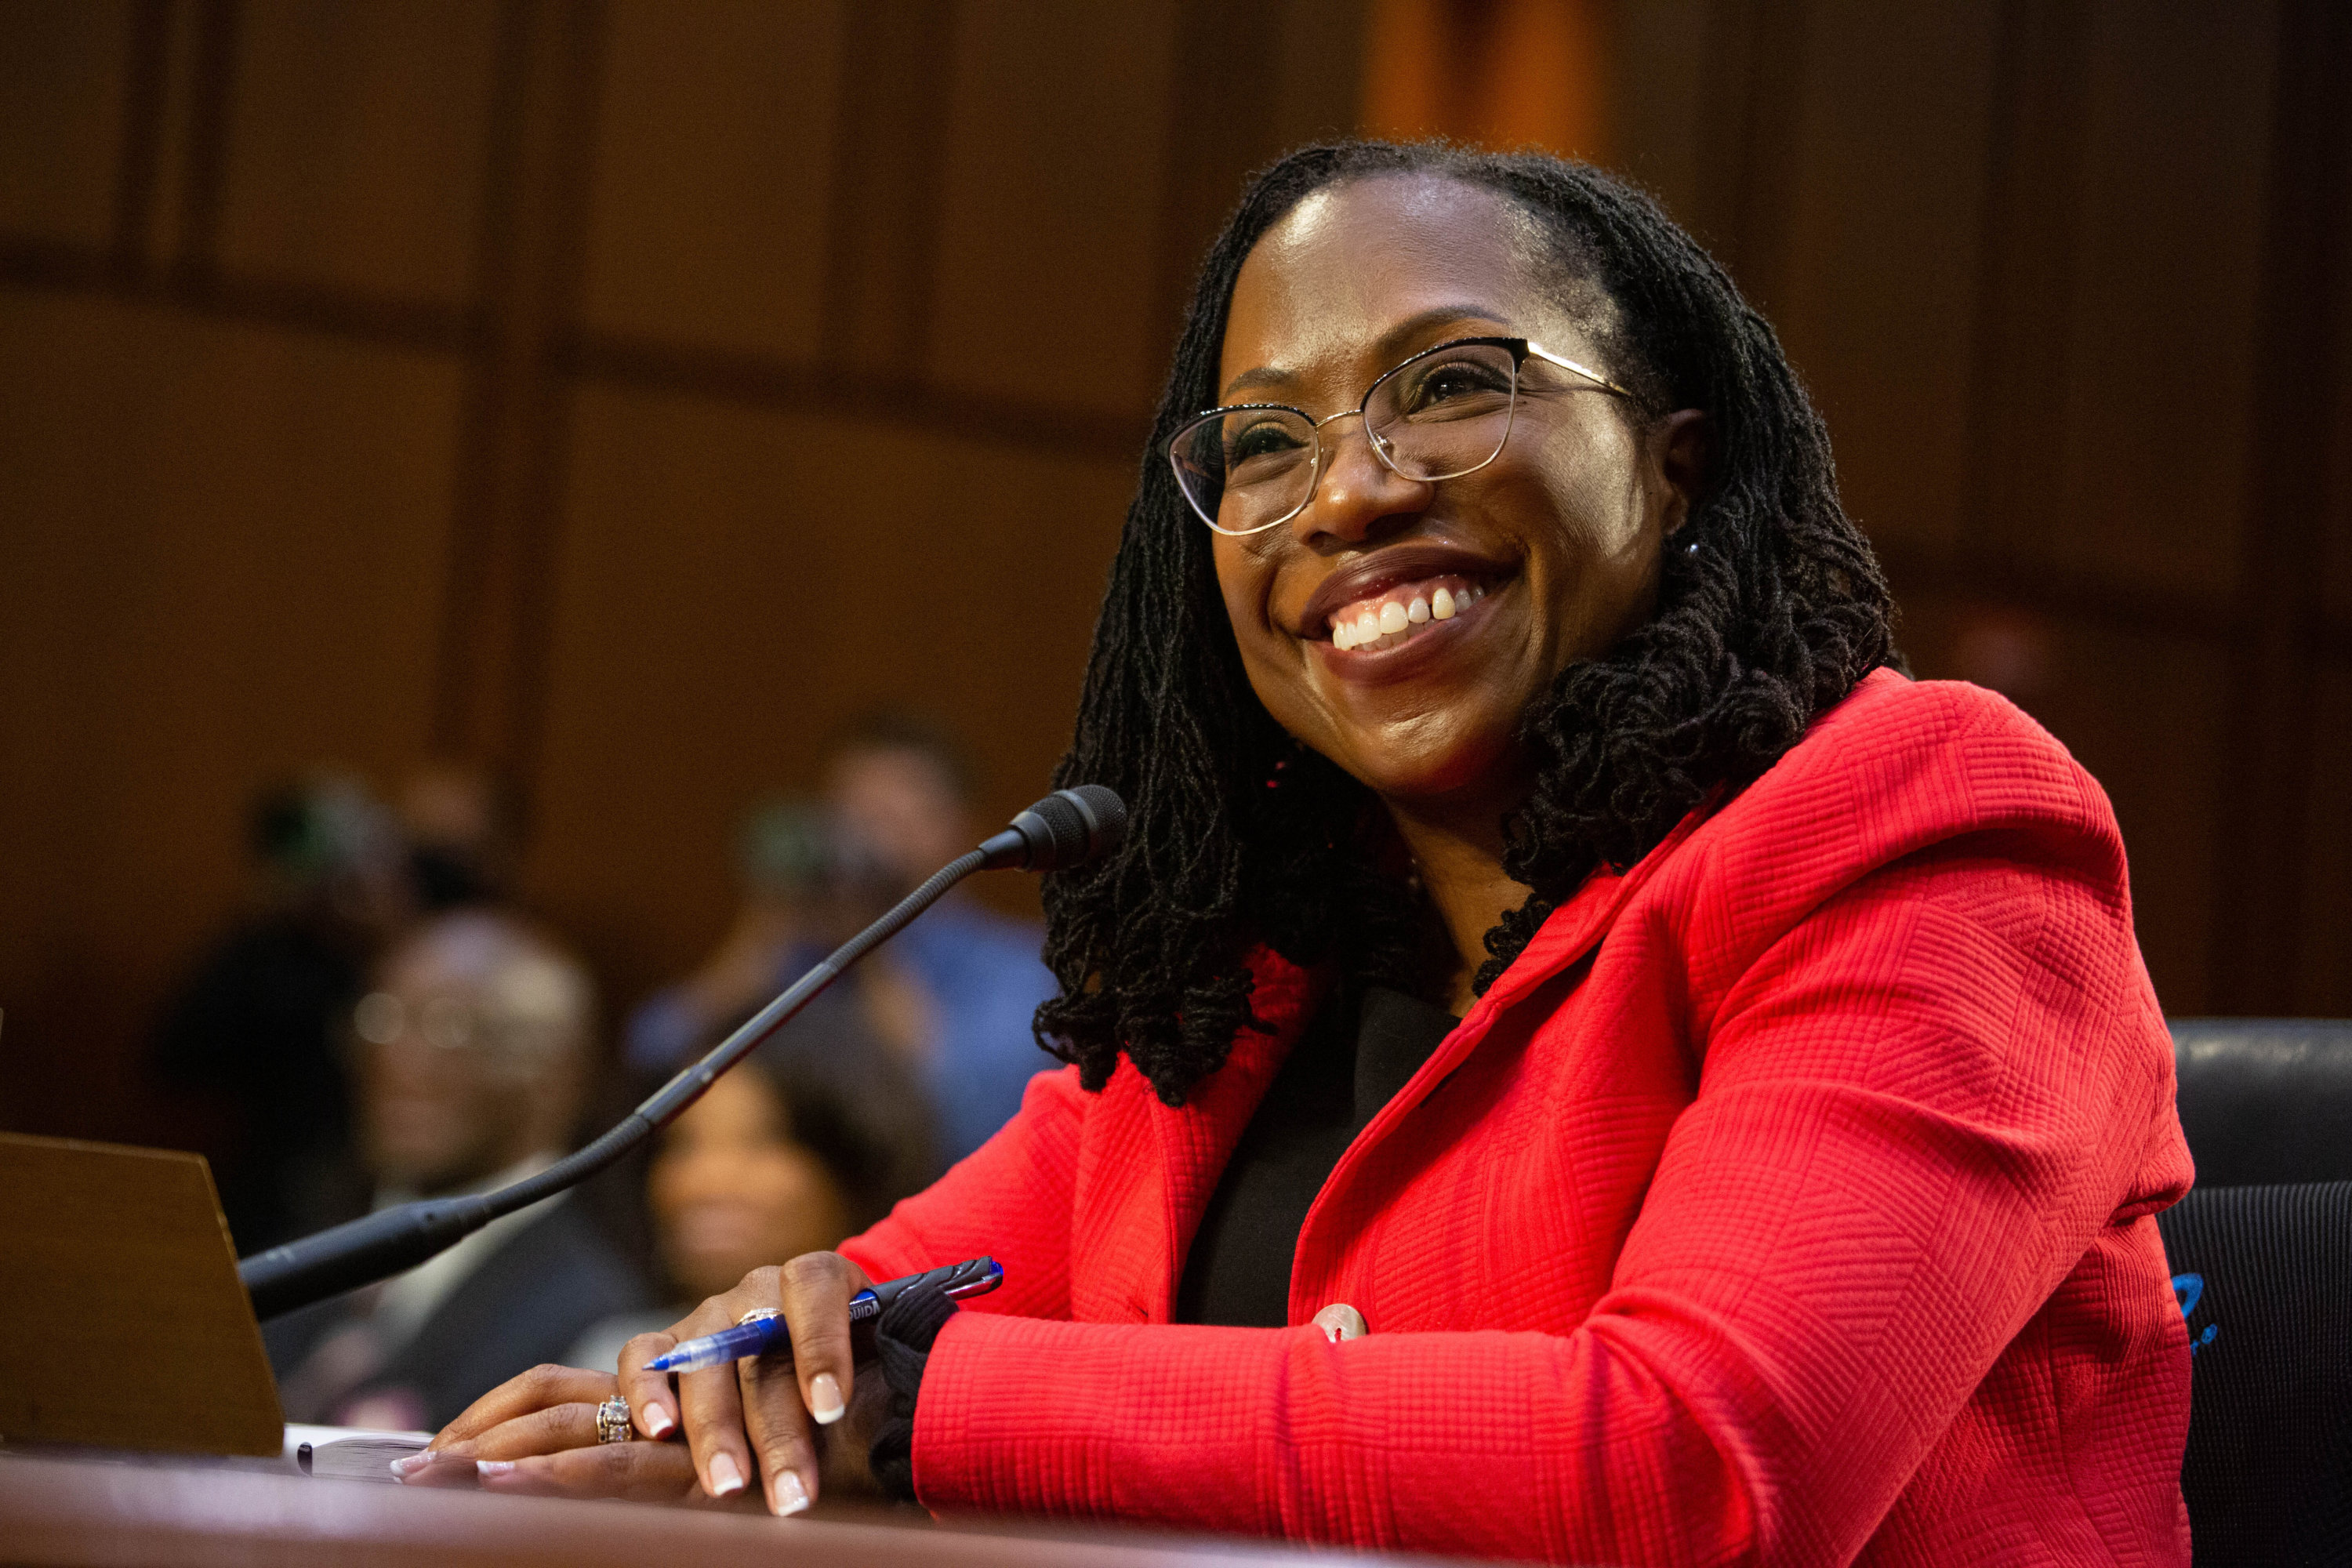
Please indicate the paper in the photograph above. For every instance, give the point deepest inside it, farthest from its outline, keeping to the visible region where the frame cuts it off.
(349, 1452)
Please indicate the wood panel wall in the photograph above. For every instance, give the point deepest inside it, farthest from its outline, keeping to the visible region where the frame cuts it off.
(623, 392)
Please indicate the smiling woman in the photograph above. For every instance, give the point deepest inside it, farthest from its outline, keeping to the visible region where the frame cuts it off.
(1578, 1056)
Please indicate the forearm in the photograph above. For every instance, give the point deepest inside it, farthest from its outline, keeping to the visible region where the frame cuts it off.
(1565, 1447)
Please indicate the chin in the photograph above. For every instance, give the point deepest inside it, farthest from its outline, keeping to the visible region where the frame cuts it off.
(1407, 768)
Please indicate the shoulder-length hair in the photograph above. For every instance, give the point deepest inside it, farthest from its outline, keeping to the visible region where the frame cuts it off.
(1770, 608)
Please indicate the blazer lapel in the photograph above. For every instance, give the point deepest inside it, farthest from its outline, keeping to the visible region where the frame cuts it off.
(1573, 930)
(1146, 1170)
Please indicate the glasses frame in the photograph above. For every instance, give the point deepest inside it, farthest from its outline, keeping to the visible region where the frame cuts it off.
(1521, 350)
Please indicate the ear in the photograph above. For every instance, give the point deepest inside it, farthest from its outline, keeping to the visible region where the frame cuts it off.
(1685, 443)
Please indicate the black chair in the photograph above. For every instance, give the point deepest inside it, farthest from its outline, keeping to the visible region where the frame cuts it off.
(2264, 1275)
(2265, 1102)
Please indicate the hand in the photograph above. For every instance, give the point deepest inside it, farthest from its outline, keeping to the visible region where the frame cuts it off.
(536, 1433)
(760, 1418)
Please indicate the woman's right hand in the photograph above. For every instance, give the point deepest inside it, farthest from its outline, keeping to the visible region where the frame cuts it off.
(759, 1417)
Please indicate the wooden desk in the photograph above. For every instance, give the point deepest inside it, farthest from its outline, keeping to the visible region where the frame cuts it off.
(58, 1509)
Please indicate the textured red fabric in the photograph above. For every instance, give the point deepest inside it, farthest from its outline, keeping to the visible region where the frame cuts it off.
(1786, 1202)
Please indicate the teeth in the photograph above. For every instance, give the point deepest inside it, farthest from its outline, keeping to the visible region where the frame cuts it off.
(1390, 623)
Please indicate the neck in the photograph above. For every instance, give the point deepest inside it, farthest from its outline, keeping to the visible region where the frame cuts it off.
(1457, 844)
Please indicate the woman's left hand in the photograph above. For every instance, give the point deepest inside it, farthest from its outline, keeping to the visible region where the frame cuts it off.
(536, 1435)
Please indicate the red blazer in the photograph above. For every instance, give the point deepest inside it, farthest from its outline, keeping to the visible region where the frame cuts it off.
(1788, 1201)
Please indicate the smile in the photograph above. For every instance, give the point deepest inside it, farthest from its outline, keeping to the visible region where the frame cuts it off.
(1397, 614)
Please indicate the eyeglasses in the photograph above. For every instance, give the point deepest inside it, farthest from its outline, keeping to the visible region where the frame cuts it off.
(1442, 414)
(449, 1025)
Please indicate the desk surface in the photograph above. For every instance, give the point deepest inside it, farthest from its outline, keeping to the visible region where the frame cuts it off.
(59, 1509)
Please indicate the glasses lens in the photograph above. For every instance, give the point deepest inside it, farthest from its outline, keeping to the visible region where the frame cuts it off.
(379, 1018)
(1246, 469)
(1445, 412)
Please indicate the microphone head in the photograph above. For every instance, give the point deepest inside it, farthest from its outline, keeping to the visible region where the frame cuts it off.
(1068, 827)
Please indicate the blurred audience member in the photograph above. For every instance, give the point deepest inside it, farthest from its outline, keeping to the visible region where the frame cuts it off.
(256, 1024)
(465, 827)
(472, 1053)
(806, 1142)
(800, 879)
(953, 995)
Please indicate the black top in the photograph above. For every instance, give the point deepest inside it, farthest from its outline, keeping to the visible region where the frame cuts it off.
(1352, 1060)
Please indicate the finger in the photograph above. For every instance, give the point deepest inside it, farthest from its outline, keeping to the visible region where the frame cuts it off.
(537, 1389)
(638, 1472)
(651, 1407)
(548, 1431)
(778, 1425)
(711, 1406)
(551, 1431)
(815, 1289)
(780, 1404)
(653, 1397)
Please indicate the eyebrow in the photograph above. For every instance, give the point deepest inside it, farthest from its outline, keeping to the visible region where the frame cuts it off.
(1388, 342)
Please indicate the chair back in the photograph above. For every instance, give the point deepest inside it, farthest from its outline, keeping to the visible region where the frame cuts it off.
(2265, 1102)
(2264, 1276)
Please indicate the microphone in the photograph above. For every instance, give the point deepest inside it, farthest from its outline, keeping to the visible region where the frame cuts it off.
(1067, 828)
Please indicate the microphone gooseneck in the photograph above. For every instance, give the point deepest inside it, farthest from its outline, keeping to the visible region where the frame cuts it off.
(1068, 827)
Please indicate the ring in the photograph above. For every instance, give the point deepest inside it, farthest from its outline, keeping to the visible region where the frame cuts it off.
(613, 1421)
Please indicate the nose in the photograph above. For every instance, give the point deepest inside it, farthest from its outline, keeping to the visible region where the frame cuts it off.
(1356, 492)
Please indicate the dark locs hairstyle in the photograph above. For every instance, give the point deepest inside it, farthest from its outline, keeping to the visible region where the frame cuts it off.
(1770, 608)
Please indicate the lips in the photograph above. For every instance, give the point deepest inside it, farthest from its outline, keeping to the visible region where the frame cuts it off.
(1392, 595)
(1396, 616)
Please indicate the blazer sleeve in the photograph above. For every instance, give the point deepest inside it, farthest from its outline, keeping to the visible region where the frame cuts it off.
(1009, 1199)
(1922, 1104)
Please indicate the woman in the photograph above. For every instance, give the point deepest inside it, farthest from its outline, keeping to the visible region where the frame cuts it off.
(1781, 1193)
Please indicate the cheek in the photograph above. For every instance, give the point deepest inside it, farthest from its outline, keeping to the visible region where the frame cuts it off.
(1244, 576)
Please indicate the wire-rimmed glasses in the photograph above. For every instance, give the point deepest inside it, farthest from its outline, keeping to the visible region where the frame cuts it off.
(1442, 414)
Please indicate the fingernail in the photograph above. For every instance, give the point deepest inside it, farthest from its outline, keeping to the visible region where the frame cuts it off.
(491, 1470)
(790, 1496)
(726, 1481)
(409, 1464)
(657, 1421)
(824, 1399)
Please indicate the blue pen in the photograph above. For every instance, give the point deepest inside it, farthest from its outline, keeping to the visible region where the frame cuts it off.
(764, 1332)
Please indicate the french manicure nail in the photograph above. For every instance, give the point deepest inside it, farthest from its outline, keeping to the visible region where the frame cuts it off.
(657, 1421)
(824, 1399)
(790, 1496)
(491, 1470)
(409, 1464)
(726, 1481)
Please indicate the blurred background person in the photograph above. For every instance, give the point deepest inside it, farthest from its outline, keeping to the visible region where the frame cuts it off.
(808, 1140)
(465, 829)
(255, 1028)
(952, 996)
(472, 1052)
(799, 874)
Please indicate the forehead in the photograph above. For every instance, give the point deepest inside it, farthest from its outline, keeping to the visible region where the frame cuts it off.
(1352, 261)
